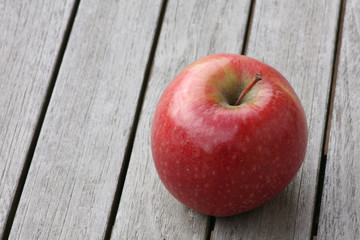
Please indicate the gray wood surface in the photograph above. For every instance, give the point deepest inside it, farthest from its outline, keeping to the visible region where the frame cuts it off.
(298, 39)
(191, 29)
(74, 173)
(30, 39)
(340, 207)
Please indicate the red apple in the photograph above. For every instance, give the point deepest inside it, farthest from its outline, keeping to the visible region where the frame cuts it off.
(221, 153)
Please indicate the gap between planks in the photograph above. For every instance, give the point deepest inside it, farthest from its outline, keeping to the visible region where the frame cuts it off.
(212, 219)
(130, 143)
(331, 94)
(248, 26)
(35, 138)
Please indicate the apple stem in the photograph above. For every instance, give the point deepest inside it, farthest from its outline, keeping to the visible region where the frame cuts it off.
(257, 78)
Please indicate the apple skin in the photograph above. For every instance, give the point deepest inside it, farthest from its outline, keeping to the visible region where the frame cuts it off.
(220, 159)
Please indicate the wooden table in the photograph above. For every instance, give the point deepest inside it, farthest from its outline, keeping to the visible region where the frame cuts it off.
(79, 82)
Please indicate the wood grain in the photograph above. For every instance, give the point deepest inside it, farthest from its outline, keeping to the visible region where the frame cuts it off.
(298, 39)
(191, 29)
(74, 172)
(30, 39)
(340, 206)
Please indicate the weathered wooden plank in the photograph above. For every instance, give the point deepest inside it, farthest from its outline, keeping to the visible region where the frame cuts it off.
(298, 39)
(30, 39)
(74, 172)
(340, 207)
(191, 29)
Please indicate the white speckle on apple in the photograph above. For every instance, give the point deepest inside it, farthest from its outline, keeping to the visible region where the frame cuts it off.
(213, 173)
(207, 149)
